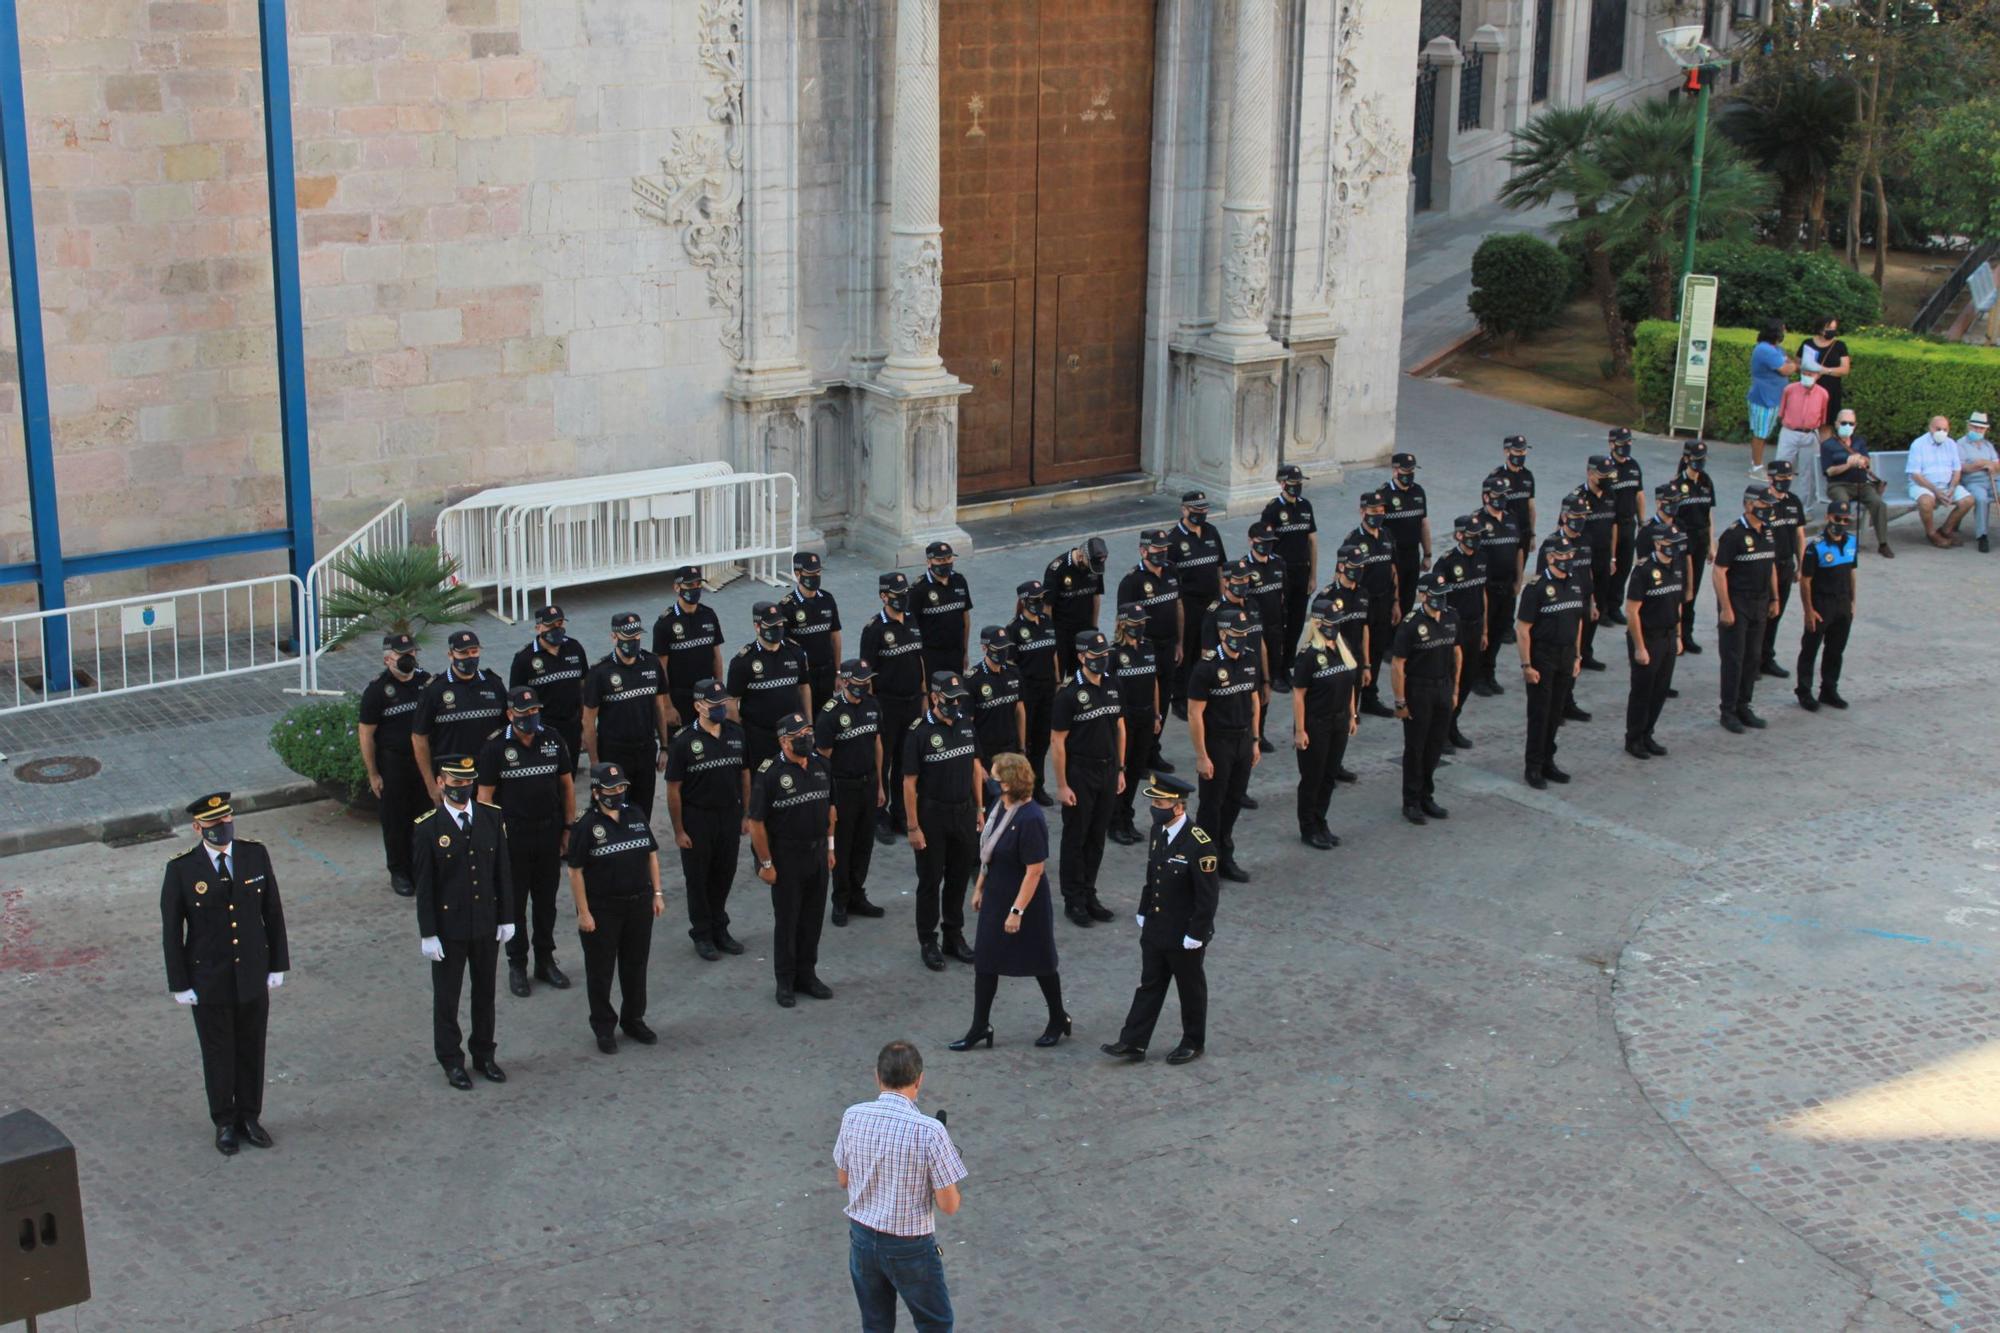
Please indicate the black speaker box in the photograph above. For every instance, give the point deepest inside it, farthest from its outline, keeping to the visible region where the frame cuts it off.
(43, 1266)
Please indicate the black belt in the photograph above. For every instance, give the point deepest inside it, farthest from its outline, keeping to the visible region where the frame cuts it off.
(1226, 733)
(854, 777)
(939, 800)
(731, 810)
(895, 698)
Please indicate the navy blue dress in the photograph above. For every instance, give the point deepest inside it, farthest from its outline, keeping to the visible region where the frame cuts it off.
(1030, 951)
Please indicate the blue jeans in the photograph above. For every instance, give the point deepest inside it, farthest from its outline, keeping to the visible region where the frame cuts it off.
(884, 1267)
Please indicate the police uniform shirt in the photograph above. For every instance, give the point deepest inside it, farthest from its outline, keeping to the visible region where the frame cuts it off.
(1228, 685)
(1598, 517)
(1424, 645)
(791, 799)
(1267, 588)
(1320, 673)
(894, 650)
(1499, 540)
(1627, 484)
(687, 640)
(709, 768)
(1377, 561)
(1830, 566)
(1089, 714)
(556, 676)
(940, 756)
(1249, 607)
(941, 606)
(1197, 560)
(1156, 595)
(623, 694)
(1553, 610)
(1695, 508)
(527, 775)
(612, 853)
(1069, 586)
(1783, 521)
(1292, 522)
(457, 716)
(1579, 565)
(767, 681)
(1747, 556)
(847, 731)
(1137, 669)
(390, 706)
(1349, 614)
(811, 622)
(1520, 494)
(1659, 588)
(1465, 587)
(994, 695)
(1405, 520)
(1034, 654)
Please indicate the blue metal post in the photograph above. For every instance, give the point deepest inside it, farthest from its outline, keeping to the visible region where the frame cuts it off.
(34, 365)
(285, 285)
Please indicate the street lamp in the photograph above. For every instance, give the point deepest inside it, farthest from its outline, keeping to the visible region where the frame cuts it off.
(1697, 57)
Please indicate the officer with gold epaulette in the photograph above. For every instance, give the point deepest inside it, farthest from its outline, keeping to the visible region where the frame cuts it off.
(224, 930)
(1176, 922)
(465, 912)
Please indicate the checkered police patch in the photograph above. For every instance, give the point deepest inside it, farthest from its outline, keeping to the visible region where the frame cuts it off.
(1025, 631)
(1549, 591)
(984, 689)
(1124, 659)
(1423, 630)
(934, 594)
(1321, 657)
(1222, 675)
(389, 690)
(617, 680)
(846, 720)
(1184, 548)
(1148, 587)
(1656, 576)
(1284, 517)
(1458, 571)
(1395, 502)
(888, 636)
(799, 615)
(1083, 696)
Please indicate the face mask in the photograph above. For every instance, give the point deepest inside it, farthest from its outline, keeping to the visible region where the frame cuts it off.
(1234, 643)
(946, 710)
(611, 800)
(1433, 604)
(942, 569)
(771, 634)
(1195, 520)
(1829, 333)
(1977, 432)
(1292, 488)
(798, 747)
(1836, 531)
(458, 793)
(692, 596)
(1152, 557)
(1095, 663)
(1162, 816)
(1406, 477)
(529, 724)
(1369, 520)
(1845, 429)
(713, 715)
(220, 835)
(1941, 436)
(1031, 606)
(898, 602)
(854, 690)
(1237, 591)
(554, 636)
(810, 582)
(466, 666)
(1807, 380)
(406, 664)
(627, 647)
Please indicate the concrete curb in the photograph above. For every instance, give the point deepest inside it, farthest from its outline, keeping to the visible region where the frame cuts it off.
(1435, 359)
(138, 825)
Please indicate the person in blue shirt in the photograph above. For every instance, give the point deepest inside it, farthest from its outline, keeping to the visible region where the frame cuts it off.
(1827, 591)
(1770, 368)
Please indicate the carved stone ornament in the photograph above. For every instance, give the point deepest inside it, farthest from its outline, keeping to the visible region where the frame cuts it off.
(700, 190)
(917, 302)
(1246, 272)
(1370, 150)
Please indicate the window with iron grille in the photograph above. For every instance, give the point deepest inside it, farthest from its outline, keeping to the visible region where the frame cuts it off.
(1471, 87)
(1439, 18)
(1545, 45)
(1607, 38)
(1423, 136)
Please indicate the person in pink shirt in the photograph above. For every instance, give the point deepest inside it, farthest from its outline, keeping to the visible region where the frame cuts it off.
(1802, 418)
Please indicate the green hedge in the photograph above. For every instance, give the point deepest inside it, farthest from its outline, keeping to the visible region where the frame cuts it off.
(1896, 388)
(1757, 283)
(319, 742)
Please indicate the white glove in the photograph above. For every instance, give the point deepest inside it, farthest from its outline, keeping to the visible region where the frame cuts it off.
(1141, 919)
(505, 933)
(183, 997)
(434, 948)
(1190, 942)
(273, 980)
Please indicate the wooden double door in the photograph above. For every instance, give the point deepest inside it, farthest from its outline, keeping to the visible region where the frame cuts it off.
(1046, 160)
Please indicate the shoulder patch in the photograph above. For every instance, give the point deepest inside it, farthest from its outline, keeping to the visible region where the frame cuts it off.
(1199, 836)
(425, 815)
(491, 805)
(829, 705)
(766, 764)
(917, 723)
(252, 841)
(745, 650)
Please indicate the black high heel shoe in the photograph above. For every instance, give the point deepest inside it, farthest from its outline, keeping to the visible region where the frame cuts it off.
(972, 1039)
(1054, 1033)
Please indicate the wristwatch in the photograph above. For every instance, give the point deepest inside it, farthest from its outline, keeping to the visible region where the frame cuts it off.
(763, 865)
(1013, 911)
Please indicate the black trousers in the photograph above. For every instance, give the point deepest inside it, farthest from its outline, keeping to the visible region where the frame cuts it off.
(1697, 562)
(1141, 748)
(618, 947)
(232, 1056)
(820, 684)
(1192, 610)
(683, 702)
(897, 715)
(942, 659)
(1741, 646)
(1500, 621)
(853, 839)
(1163, 662)
(1786, 577)
(1220, 798)
(537, 867)
(709, 867)
(403, 799)
(945, 865)
(1650, 682)
(1624, 534)
(1409, 564)
(571, 730)
(1084, 825)
(1158, 966)
(798, 909)
(759, 743)
(1041, 712)
(1066, 632)
(1546, 700)
(1298, 598)
(1424, 732)
(482, 956)
(1326, 743)
(1606, 589)
(637, 761)
(1833, 634)
(1380, 634)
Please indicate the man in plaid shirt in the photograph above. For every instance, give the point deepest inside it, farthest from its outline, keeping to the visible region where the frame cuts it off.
(897, 1165)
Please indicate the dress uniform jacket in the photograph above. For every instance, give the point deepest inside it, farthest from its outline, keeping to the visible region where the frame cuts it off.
(465, 883)
(1181, 891)
(223, 940)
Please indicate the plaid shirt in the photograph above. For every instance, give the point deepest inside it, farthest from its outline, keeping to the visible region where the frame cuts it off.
(895, 1156)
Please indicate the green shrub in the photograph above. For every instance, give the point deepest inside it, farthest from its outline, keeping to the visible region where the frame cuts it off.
(1896, 387)
(318, 741)
(1519, 284)
(1758, 283)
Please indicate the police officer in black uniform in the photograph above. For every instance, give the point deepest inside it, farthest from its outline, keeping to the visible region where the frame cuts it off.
(458, 710)
(1153, 585)
(1176, 922)
(1746, 595)
(999, 718)
(1408, 524)
(1267, 594)
(465, 912)
(614, 865)
(942, 601)
(767, 678)
(1653, 598)
(1570, 527)
(1628, 507)
(530, 770)
(1350, 615)
(1088, 739)
(627, 713)
(1827, 593)
(1506, 560)
(1222, 722)
(708, 790)
(223, 927)
(1785, 518)
(891, 645)
(1325, 676)
(554, 665)
(1425, 664)
(1034, 641)
(942, 783)
(1197, 557)
(1548, 629)
(812, 619)
(1463, 568)
(1136, 673)
(687, 638)
(848, 735)
(1520, 494)
(792, 823)
(388, 707)
(1289, 516)
(1073, 583)
(1695, 513)
(1600, 520)
(1380, 583)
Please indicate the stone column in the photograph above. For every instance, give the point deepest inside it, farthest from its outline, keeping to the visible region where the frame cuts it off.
(1244, 322)
(1302, 280)
(1443, 55)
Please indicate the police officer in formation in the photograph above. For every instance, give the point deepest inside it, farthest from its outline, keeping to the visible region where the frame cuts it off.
(528, 773)
(1406, 518)
(388, 708)
(457, 711)
(1827, 596)
(1154, 587)
(1088, 739)
(1785, 518)
(708, 790)
(627, 713)
(1746, 596)
(1425, 664)
(942, 784)
(1196, 555)
(1073, 583)
(792, 822)
(1694, 512)
(767, 679)
(1135, 670)
(1033, 637)
(1519, 495)
(465, 912)
(1628, 502)
(848, 735)
(614, 874)
(554, 665)
(1267, 594)
(1375, 559)
(812, 620)
(1600, 540)
(1176, 922)
(1463, 569)
(1239, 587)
(687, 638)
(1500, 544)
(1326, 675)
(1222, 724)
(1548, 631)
(1289, 517)
(942, 600)
(890, 644)
(223, 928)
(1653, 598)
(999, 718)
(1570, 527)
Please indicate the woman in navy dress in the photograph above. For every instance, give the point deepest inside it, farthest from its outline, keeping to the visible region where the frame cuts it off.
(1017, 926)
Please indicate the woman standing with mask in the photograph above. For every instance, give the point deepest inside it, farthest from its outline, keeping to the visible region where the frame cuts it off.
(613, 865)
(1016, 934)
(1325, 712)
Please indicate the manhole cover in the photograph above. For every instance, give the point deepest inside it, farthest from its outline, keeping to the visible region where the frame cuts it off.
(57, 768)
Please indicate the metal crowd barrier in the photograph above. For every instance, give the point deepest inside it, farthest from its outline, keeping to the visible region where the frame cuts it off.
(388, 530)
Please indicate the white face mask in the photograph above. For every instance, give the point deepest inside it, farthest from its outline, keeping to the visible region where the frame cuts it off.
(1807, 380)
(1941, 436)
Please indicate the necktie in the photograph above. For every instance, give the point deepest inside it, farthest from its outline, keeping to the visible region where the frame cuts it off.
(222, 865)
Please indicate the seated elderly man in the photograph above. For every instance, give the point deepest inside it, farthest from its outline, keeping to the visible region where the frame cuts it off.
(1934, 479)
(1850, 476)
(1979, 469)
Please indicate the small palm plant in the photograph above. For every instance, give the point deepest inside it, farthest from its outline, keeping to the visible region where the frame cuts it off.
(399, 591)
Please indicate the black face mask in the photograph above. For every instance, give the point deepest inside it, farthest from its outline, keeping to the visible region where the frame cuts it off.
(1370, 521)
(611, 800)
(1782, 485)
(1095, 663)
(1162, 816)
(1405, 478)
(1195, 520)
(1031, 606)
(945, 710)
(692, 596)
(1829, 333)
(458, 793)
(1263, 548)
(810, 582)
(854, 690)
(998, 656)
(528, 724)
(1836, 531)
(466, 666)
(626, 647)
(220, 835)
(554, 636)
(1153, 558)
(798, 747)
(406, 664)
(771, 634)
(898, 602)
(1233, 643)
(942, 570)
(1293, 488)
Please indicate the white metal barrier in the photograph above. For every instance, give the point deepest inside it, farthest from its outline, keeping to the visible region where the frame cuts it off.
(388, 530)
(146, 643)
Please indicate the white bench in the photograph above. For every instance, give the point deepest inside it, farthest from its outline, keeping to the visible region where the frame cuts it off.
(1893, 469)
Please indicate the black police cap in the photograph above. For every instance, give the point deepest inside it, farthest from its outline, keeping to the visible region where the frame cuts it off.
(608, 775)
(1167, 787)
(398, 643)
(626, 624)
(1030, 588)
(857, 668)
(1291, 472)
(1091, 641)
(456, 766)
(805, 562)
(688, 575)
(938, 551)
(462, 638)
(894, 581)
(990, 634)
(215, 805)
(549, 615)
(710, 691)
(522, 698)
(1197, 500)
(1402, 462)
(949, 684)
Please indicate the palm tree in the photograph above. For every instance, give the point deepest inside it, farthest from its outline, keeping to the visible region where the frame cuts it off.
(401, 590)
(1795, 127)
(1550, 158)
